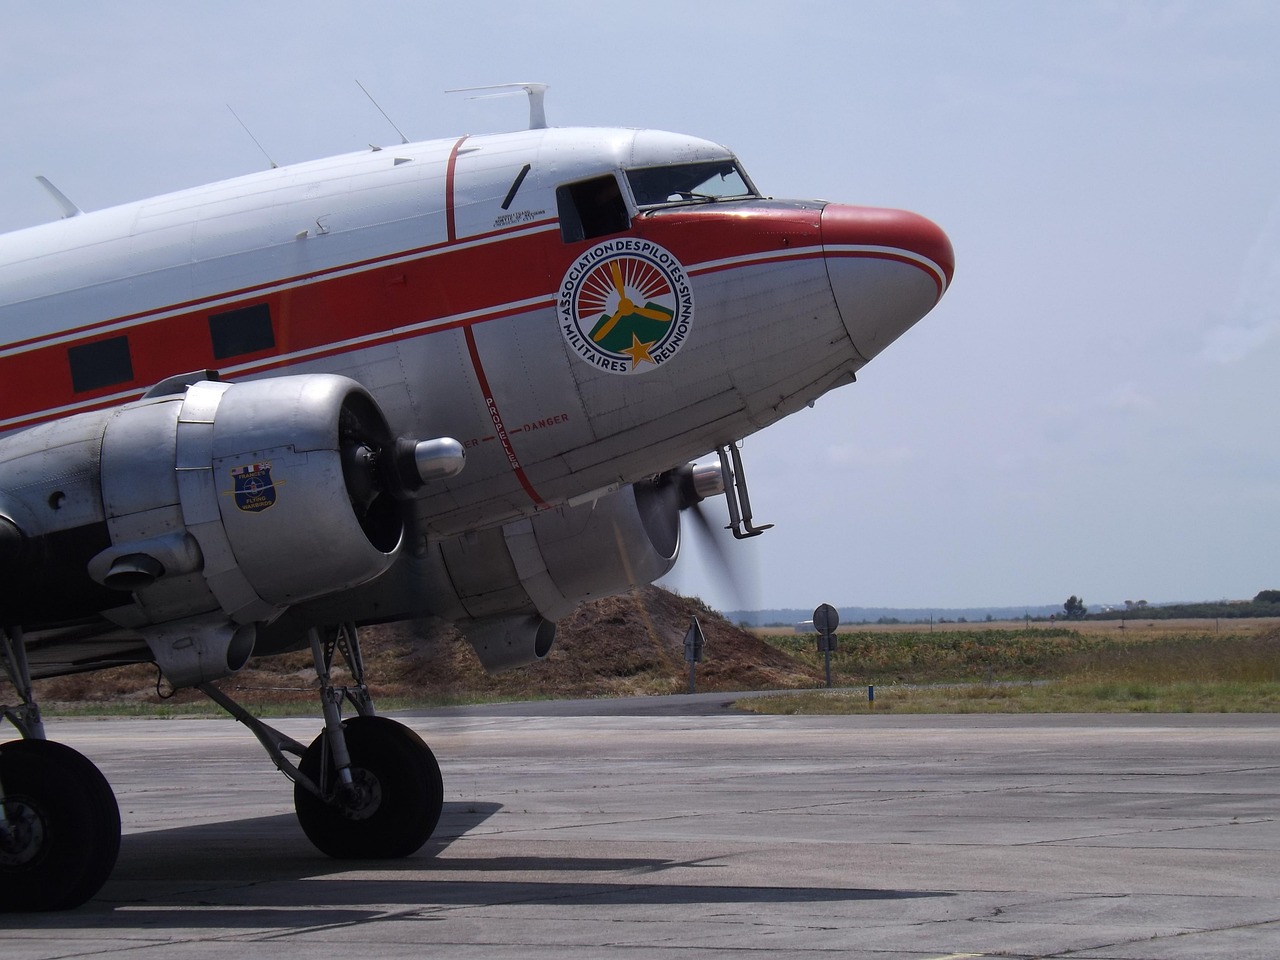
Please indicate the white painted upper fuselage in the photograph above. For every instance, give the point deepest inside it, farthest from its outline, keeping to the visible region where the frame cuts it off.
(436, 274)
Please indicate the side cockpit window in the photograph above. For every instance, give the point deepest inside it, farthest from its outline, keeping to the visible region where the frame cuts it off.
(591, 208)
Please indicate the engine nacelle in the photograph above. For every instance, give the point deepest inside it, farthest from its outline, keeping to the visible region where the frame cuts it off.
(200, 649)
(266, 480)
(200, 513)
(502, 585)
(503, 643)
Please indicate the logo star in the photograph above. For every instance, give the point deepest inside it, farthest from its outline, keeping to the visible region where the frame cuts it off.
(639, 351)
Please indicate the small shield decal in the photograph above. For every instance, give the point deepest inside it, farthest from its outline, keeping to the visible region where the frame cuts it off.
(253, 487)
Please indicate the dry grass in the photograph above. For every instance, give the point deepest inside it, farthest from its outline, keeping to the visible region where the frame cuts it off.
(1063, 671)
(619, 646)
(632, 645)
(1243, 626)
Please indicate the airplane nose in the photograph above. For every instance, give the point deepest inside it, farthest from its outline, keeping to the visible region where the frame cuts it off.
(888, 268)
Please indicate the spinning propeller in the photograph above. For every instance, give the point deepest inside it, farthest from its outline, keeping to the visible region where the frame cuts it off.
(683, 491)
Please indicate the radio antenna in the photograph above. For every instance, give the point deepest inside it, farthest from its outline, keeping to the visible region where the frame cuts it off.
(403, 138)
(69, 209)
(537, 94)
(274, 165)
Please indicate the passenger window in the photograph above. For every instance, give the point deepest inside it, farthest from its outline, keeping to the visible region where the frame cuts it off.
(103, 363)
(591, 208)
(237, 332)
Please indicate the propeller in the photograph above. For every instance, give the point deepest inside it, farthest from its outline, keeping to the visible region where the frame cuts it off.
(685, 489)
(380, 472)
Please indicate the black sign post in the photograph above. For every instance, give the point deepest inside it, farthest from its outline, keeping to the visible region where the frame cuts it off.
(825, 621)
(694, 641)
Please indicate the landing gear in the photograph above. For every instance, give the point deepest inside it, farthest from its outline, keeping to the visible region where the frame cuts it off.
(59, 827)
(367, 787)
(392, 804)
(59, 822)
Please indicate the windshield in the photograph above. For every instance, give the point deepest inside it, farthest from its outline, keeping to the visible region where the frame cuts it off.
(683, 182)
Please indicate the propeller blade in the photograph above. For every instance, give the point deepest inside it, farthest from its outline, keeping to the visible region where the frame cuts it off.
(725, 565)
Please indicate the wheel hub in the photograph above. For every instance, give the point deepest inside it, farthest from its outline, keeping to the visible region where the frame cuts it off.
(362, 799)
(21, 835)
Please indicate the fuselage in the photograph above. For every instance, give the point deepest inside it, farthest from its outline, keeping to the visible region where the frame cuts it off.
(440, 275)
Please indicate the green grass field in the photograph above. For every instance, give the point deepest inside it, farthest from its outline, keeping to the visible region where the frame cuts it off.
(1042, 670)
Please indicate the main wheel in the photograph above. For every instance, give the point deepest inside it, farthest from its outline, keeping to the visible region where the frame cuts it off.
(60, 833)
(396, 798)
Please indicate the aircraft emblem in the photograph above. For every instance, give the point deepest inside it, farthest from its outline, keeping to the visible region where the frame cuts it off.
(254, 489)
(625, 306)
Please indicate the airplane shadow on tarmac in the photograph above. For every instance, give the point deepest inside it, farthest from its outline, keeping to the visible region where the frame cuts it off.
(263, 873)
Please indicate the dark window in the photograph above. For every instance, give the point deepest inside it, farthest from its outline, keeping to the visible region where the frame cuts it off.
(246, 330)
(103, 363)
(688, 182)
(591, 208)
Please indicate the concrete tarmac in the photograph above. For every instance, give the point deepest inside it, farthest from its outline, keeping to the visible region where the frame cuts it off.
(682, 829)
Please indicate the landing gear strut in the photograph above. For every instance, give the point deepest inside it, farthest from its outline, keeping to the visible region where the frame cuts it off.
(59, 821)
(367, 787)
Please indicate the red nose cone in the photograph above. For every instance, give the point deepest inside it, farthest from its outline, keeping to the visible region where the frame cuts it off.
(871, 230)
(888, 268)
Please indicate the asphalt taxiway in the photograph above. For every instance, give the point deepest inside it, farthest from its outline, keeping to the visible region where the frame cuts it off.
(684, 829)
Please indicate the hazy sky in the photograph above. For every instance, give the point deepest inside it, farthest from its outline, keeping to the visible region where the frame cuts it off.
(1091, 410)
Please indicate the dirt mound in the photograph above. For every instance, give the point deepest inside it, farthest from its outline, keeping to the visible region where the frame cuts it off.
(620, 646)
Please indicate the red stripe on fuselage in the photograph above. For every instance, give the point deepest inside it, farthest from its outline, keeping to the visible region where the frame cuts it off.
(396, 297)
(449, 173)
(936, 271)
(239, 297)
(495, 417)
(345, 309)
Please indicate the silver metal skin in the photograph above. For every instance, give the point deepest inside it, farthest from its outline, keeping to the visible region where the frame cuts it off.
(541, 432)
(200, 649)
(503, 643)
(136, 564)
(571, 315)
(551, 562)
(439, 459)
(190, 490)
(708, 480)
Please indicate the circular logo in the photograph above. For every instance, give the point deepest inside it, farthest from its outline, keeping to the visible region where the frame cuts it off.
(625, 306)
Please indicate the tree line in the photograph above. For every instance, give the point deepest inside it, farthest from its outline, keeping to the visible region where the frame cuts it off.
(1265, 604)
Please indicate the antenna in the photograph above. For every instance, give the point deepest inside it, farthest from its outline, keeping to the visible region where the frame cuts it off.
(536, 91)
(403, 138)
(69, 209)
(274, 165)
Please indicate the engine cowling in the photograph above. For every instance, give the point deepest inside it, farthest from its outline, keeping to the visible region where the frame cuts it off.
(197, 514)
(505, 586)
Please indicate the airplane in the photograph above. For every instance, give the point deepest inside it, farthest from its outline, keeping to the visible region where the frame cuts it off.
(466, 378)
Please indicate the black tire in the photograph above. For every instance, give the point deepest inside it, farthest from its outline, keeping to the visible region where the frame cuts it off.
(64, 827)
(401, 791)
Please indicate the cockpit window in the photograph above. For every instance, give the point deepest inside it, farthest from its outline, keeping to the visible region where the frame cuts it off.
(591, 208)
(686, 182)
